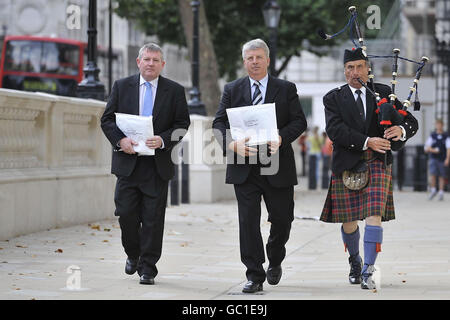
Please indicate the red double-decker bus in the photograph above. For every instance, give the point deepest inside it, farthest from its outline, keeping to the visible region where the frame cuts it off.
(51, 65)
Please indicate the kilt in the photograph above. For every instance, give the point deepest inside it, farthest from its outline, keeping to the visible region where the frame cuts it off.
(345, 205)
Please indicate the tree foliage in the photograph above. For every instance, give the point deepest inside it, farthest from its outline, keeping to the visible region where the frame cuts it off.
(233, 22)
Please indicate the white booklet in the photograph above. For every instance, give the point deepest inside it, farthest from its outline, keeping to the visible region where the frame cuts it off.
(258, 122)
(138, 128)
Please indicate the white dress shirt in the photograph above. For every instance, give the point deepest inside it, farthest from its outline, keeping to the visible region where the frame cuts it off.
(143, 88)
(363, 97)
(262, 87)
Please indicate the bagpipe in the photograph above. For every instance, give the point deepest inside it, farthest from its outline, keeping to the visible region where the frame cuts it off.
(388, 113)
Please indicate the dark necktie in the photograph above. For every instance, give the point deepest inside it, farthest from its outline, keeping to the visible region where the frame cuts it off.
(360, 104)
(257, 96)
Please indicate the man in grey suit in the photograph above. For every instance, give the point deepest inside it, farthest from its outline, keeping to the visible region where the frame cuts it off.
(142, 181)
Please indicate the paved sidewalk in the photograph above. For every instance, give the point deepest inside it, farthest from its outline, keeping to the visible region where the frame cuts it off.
(201, 257)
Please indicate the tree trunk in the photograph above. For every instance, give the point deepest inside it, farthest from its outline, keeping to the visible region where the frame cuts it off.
(209, 74)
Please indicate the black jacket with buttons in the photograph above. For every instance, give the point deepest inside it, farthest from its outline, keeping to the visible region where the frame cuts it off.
(348, 130)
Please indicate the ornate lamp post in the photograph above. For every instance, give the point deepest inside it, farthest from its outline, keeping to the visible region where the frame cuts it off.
(195, 105)
(271, 11)
(90, 86)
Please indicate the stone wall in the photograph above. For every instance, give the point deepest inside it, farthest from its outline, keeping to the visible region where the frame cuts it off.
(54, 163)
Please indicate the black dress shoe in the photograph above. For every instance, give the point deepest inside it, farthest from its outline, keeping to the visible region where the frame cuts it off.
(147, 279)
(354, 277)
(274, 274)
(131, 266)
(252, 287)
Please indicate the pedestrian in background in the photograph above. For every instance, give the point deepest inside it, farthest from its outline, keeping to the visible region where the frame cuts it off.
(303, 150)
(327, 152)
(315, 142)
(438, 147)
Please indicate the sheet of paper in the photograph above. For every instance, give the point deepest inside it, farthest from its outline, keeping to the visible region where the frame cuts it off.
(258, 122)
(137, 128)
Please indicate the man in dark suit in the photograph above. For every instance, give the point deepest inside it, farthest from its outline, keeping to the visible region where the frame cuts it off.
(353, 125)
(142, 181)
(248, 174)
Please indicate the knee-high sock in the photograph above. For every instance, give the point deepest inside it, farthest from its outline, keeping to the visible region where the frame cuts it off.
(373, 237)
(351, 241)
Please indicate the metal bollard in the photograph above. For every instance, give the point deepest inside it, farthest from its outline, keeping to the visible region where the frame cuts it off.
(420, 170)
(326, 161)
(174, 188)
(400, 168)
(185, 195)
(312, 179)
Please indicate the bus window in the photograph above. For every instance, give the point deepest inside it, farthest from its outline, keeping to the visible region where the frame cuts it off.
(42, 57)
(34, 64)
(69, 56)
(23, 56)
(50, 60)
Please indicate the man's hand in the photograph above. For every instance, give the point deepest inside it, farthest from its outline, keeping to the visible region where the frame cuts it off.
(432, 150)
(154, 142)
(126, 144)
(379, 144)
(274, 145)
(446, 162)
(395, 133)
(241, 148)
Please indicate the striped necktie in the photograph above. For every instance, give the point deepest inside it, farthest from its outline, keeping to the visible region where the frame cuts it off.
(257, 95)
(147, 110)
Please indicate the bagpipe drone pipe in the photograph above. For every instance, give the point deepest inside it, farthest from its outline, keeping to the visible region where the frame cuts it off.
(388, 113)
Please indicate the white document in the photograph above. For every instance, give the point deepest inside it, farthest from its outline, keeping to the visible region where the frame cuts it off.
(259, 122)
(137, 128)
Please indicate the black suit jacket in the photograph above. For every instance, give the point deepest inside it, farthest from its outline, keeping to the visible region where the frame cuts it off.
(170, 112)
(348, 130)
(291, 124)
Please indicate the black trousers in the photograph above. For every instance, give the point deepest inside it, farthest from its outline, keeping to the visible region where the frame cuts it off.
(280, 206)
(141, 202)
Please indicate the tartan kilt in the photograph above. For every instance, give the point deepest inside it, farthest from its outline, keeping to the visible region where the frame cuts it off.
(345, 205)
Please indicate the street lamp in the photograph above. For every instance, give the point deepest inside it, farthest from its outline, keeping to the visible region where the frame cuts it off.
(195, 105)
(90, 86)
(271, 11)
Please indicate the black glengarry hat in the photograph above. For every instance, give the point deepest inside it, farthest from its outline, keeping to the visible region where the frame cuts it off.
(353, 55)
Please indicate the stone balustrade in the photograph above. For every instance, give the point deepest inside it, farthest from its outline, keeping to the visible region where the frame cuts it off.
(54, 163)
